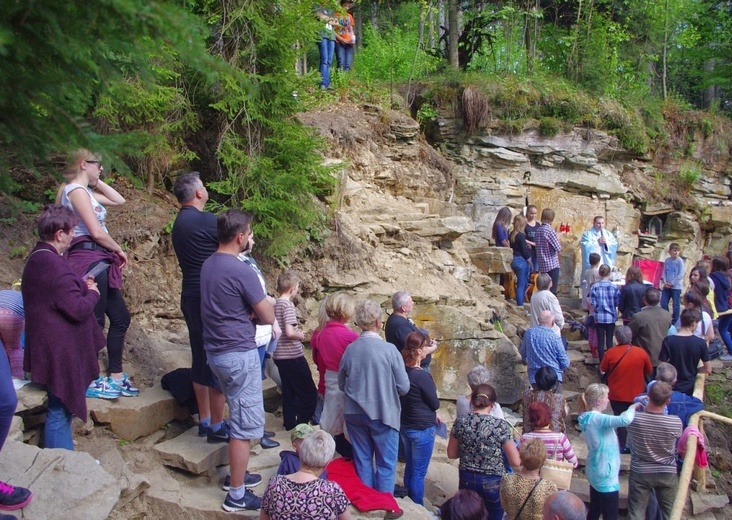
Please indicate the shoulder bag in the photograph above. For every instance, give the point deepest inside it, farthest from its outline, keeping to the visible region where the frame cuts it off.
(558, 471)
(518, 515)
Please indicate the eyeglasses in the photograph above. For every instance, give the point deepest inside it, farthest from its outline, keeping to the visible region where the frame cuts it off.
(94, 162)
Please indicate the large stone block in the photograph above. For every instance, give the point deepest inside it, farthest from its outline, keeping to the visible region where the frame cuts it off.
(30, 397)
(65, 484)
(135, 417)
(191, 453)
(492, 260)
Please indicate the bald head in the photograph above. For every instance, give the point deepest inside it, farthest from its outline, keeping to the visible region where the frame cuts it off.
(564, 505)
(546, 318)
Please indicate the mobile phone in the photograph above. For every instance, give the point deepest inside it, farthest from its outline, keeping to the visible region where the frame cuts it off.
(96, 270)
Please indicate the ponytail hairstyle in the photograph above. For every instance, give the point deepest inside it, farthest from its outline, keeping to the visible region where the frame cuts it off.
(592, 395)
(483, 396)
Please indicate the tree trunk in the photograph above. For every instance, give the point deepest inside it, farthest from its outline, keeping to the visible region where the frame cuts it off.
(374, 14)
(665, 47)
(454, 34)
(358, 30)
(431, 27)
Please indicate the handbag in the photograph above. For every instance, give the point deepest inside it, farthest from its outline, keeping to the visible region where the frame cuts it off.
(716, 348)
(558, 471)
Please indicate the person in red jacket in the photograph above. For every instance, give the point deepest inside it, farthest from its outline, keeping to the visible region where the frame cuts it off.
(625, 367)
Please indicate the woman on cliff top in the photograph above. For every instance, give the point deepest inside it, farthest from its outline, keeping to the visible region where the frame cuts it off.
(500, 228)
(86, 195)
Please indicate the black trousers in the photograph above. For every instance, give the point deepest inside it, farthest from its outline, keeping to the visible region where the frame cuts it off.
(618, 408)
(605, 504)
(605, 333)
(112, 304)
(299, 395)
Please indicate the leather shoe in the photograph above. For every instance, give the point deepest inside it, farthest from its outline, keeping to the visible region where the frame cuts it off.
(268, 434)
(267, 443)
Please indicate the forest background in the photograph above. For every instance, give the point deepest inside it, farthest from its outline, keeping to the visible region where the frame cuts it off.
(162, 87)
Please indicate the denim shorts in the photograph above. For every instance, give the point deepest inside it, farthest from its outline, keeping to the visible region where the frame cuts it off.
(240, 376)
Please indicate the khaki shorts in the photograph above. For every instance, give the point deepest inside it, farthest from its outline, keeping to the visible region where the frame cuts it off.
(240, 376)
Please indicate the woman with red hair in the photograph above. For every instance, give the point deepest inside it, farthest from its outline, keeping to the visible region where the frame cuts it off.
(557, 444)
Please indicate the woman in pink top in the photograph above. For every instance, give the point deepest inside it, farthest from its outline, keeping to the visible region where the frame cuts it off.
(557, 444)
(328, 347)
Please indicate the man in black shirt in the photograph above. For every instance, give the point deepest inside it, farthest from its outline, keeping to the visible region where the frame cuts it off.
(194, 240)
(399, 326)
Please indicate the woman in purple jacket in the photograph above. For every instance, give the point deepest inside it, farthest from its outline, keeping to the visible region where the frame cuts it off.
(63, 338)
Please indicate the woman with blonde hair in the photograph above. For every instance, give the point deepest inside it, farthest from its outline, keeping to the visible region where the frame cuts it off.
(523, 493)
(329, 344)
(522, 264)
(603, 451)
(93, 249)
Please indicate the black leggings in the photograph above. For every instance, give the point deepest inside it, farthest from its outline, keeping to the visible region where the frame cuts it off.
(605, 332)
(112, 304)
(605, 504)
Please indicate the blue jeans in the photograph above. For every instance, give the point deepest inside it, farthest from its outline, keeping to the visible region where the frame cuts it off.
(326, 48)
(725, 331)
(57, 431)
(488, 487)
(521, 267)
(675, 294)
(373, 438)
(8, 397)
(344, 55)
(418, 446)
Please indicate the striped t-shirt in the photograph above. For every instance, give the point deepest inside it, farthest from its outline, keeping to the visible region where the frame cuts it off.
(557, 445)
(652, 439)
(285, 314)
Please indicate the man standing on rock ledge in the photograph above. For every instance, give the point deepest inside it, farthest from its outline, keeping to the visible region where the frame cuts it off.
(232, 299)
(194, 240)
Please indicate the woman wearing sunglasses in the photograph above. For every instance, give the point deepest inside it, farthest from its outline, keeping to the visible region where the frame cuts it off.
(93, 249)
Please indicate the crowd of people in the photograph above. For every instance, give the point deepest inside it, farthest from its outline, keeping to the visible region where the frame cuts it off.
(375, 399)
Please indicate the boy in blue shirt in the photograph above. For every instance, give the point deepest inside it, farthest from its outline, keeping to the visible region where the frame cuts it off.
(673, 277)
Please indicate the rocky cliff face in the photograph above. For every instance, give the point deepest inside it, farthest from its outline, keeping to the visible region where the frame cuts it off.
(407, 217)
(421, 222)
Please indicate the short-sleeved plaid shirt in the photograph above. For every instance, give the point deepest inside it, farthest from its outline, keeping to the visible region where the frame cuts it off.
(604, 298)
(547, 248)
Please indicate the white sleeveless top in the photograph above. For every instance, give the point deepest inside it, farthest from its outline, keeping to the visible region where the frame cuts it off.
(99, 211)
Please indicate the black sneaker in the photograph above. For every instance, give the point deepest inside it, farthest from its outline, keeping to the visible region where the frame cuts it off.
(12, 498)
(250, 480)
(268, 434)
(220, 435)
(249, 502)
(203, 430)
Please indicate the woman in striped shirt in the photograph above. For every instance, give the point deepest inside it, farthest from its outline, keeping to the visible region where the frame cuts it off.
(557, 444)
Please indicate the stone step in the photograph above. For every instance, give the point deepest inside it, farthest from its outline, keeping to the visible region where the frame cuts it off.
(65, 484)
(135, 417)
(575, 356)
(30, 397)
(581, 345)
(193, 454)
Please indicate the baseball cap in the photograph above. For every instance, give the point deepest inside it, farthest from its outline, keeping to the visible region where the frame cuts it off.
(300, 431)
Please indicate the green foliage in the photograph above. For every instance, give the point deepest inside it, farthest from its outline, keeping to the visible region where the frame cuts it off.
(426, 114)
(689, 173)
(271, 164)
(58, 58)
(394, 55)
(549, 126)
